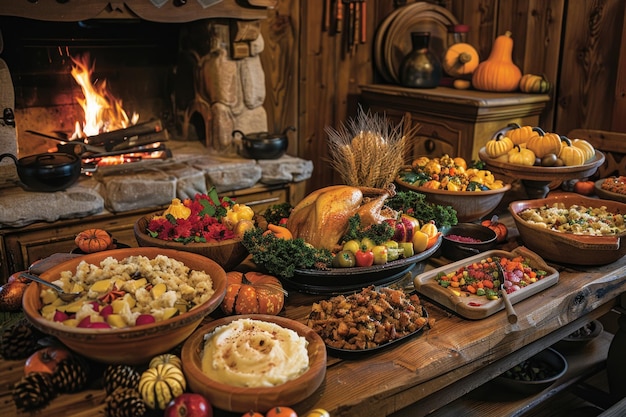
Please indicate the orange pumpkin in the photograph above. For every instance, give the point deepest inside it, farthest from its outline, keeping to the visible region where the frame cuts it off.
(498, 72)
(253, 293)
(93, 240)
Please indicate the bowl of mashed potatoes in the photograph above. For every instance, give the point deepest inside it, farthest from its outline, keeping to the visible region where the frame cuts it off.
(254, 362)
(572, 229)
(135, 303)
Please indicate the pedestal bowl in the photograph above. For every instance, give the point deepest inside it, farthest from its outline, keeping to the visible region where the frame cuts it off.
(128, 345)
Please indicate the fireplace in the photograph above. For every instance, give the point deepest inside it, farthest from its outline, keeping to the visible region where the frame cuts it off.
(162, 60)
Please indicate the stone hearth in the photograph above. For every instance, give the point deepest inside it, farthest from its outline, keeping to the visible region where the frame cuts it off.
(192, 169)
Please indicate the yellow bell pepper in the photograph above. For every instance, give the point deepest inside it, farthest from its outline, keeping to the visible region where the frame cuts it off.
(236, 213)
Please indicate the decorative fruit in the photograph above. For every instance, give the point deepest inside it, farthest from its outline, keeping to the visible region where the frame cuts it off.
(93, 240)
(584, 187)
(498, 72)
(501, 230)
(498, 146)
(161, 384)
(252, 413)
(281, 412)
(405, 227)
(318, 412)
(166, 358)
(46, 359)
(531, 83)
(520, 134)
(11, 295)
(420, 241)
(364, 257)
(253, 293)
(189, 405)
(460, 59)
(570, 154)
(344, 259)
(542, 143)
(586, 147)
(521, 156)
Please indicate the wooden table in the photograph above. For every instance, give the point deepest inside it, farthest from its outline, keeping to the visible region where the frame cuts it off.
(453, 357)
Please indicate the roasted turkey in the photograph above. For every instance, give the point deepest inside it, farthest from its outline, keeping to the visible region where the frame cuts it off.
(322, 217)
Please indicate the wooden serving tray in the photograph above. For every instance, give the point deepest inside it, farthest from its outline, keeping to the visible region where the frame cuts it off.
(476, 307)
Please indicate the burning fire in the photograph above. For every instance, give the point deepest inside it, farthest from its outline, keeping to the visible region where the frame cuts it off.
(103, 111)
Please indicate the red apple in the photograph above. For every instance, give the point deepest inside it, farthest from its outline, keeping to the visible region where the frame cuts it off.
(46, 359)
(189, 405)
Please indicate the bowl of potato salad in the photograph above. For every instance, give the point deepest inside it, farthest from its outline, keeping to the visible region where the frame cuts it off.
(132, 303)
(573, 229)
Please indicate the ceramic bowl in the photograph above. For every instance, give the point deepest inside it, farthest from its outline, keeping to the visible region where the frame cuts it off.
(469, 205)
(134, 345)
(228, 253)
(261, 399)
(580, 337)
(456, 243)
(548, 360)
(569, 248)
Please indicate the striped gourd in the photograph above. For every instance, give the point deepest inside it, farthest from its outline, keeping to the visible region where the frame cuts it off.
(160, 384)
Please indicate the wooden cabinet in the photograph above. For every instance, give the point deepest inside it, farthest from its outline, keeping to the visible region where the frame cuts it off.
(20, 247)
(456, 122)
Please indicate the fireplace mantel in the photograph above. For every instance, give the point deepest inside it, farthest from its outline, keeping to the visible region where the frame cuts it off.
(164, 11)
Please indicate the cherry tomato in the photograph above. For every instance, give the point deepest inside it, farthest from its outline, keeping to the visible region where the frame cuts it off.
(364, 257)
(281, 412)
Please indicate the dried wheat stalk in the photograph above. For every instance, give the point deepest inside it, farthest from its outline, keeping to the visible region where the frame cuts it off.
(368, 151)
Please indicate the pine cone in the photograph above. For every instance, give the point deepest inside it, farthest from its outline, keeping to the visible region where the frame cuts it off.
(71, 375)
(124, 402)
(33, 391)
(19, 340)
(120, 376)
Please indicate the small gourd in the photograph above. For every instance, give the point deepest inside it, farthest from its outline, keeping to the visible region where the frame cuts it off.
(521, 156)
(93, 240)
(161, 384)
(460, 59)
(586, 147)
(502, 232)
(177, 209)
(498, 72)
(570, 154)
(542, 143)
(253, 293)
(498, 146)
(531, 83)
(166, 358)
(520, 134)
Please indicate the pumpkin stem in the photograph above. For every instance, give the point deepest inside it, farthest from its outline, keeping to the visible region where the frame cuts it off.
(494, 219)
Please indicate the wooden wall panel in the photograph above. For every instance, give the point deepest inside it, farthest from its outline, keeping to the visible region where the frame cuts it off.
(589, 64)
(314, 84)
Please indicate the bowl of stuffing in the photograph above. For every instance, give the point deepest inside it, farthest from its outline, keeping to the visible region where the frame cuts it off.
(224, 361)
(573, 229)
(130, 305)
(534, 374)
(207, 225)
(467, 239)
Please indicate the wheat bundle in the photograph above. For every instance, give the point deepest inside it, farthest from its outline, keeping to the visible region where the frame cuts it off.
(367, 151)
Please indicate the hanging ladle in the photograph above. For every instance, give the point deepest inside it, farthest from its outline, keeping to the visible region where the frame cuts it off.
(63, 295)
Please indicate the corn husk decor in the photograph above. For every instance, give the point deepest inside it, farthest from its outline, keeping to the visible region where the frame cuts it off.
(367, 151)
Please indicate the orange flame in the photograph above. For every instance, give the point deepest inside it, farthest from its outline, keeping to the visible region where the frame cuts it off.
(103, 111)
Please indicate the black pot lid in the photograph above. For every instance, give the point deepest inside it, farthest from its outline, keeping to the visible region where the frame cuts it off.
(51, 159)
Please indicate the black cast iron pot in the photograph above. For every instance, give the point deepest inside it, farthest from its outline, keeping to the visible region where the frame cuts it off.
(47, 172)
(263, 145)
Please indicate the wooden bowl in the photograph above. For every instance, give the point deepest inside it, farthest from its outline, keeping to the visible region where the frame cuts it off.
(228, 253)
(134, 345)
(469, 205)
(569, 248)
(243, 399)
